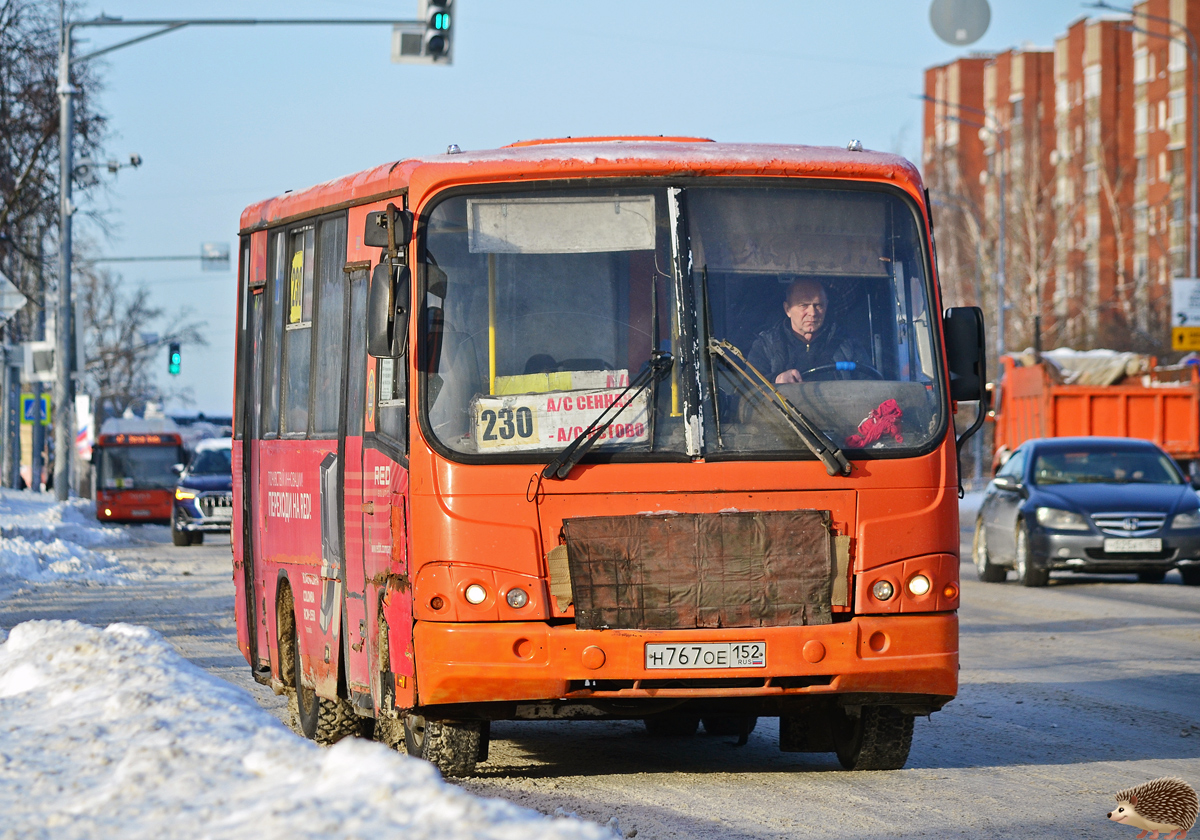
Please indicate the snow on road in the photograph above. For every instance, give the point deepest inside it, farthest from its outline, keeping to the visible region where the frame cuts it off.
(111, 733)
(43, 540)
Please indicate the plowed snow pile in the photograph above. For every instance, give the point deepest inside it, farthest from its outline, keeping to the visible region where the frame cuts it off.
(110, 733)
(43, 540)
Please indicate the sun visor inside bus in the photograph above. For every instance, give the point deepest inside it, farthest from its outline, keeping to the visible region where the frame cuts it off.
(561, 224)
(791, 232)
(682, 571)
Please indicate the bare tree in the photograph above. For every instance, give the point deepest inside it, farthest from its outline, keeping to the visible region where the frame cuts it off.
(124, 338)
(29, 112)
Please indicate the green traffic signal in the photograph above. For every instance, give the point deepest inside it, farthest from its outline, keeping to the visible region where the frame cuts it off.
(173, 360)
(441, 21)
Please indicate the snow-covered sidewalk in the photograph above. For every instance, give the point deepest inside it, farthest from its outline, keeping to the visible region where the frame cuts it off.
(110, 733)
(44, 540)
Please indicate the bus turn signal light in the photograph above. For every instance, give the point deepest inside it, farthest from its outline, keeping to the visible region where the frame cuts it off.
(882, 590)
(951, 591)
(517, 597)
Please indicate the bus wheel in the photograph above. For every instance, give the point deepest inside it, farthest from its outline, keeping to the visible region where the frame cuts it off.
(988, 571)
(178, 535)
(878, 739)
(452, 746)
(671, 725)
(730, 724)
(321, 720)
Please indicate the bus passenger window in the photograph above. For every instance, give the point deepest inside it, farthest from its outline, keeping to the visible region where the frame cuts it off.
(330, 331)
(273, 339)
(392, 406)
(297, 340)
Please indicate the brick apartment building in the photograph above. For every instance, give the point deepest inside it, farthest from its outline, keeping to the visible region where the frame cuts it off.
(1087, 145)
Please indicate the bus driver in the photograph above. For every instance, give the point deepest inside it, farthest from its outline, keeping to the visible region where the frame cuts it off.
(803, 340)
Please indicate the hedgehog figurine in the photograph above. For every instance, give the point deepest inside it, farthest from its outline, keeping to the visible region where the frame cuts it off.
(1162, 805)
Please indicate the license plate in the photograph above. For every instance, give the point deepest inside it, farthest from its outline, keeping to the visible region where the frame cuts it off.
(1119, 546)
(139, 513)
(706, 655)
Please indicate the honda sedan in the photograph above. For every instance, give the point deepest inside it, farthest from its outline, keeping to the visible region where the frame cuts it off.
(1087, 504)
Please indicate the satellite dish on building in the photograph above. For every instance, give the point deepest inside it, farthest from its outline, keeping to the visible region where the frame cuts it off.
(960, 22)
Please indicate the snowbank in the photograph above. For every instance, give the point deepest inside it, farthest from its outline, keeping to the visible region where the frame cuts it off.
(110, 733)
(42, 539)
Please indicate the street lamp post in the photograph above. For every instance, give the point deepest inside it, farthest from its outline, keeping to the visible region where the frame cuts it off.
(64, 382)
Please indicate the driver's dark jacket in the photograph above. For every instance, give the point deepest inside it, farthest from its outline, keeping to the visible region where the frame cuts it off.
(778, 349)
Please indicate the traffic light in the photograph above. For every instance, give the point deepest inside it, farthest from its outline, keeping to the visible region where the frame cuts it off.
(437, 29)
(173, 358)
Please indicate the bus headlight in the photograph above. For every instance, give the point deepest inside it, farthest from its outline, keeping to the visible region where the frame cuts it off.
(475, 594)
(882, 590)
(517, 597)
(182, 494)
(919, 585)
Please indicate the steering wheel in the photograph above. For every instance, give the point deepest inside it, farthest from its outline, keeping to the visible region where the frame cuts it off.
(853, 367)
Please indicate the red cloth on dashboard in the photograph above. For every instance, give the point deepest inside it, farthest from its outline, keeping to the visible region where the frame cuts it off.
(884, 420)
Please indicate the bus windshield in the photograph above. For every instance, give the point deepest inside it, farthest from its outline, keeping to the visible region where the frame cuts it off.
(543, 305)
(137, 467)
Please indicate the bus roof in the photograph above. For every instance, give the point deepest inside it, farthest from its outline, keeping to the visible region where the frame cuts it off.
(582, 158)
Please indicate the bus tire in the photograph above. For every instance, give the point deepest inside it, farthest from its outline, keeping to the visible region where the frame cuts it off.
(878, 739)
(179, 536)
(1028, 572)
(988, 571)
(729, 724)
(321, 720)
(452, 746)
(671, 725)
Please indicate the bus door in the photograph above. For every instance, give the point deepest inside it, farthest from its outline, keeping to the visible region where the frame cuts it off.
(356, 616)
(376, 506)
(254, 315)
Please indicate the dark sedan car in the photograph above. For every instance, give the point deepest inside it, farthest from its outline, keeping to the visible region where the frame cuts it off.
(204, 493)
(1085, 504)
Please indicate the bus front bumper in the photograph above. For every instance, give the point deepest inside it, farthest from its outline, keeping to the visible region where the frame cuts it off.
(533, 661)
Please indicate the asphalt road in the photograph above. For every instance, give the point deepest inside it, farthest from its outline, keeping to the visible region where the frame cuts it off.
(1068, 694)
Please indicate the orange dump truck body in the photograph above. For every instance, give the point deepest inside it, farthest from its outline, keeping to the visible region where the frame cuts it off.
(1166, 409)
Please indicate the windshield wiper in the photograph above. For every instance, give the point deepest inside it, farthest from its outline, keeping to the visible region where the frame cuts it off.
(817, 441)
(658, 366)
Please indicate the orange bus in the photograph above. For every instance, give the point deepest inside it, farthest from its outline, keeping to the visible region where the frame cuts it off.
(608, 428)
(135, 476)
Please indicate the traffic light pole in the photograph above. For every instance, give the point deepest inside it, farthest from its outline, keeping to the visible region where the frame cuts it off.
(64, 382)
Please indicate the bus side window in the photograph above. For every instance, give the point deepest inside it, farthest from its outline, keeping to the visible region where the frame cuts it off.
(297, 337)
(391, 415)
(273, 340)
(328, 361)
(243, 340)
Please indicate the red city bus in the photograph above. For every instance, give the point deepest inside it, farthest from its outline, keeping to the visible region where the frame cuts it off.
(135, 476)
(532, 434)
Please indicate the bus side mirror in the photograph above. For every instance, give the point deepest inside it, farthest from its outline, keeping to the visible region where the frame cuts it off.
(387, 311)
(966, 353)
(375, 231)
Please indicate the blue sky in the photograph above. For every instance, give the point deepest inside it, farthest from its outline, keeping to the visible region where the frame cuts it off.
(224, 117)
